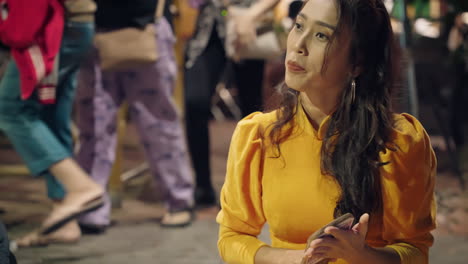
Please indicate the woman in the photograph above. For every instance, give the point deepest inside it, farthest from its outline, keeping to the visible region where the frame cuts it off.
(333, 147)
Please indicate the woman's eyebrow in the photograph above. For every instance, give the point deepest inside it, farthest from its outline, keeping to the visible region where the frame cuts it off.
(318, 22)
(323, 24)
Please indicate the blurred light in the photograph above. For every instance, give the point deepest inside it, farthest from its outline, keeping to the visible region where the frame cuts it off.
(465, 17)
(389, 5)
(426, 28)
(397, 26)
(287, 23)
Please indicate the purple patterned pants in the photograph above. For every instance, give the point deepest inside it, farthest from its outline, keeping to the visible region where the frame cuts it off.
(148, 91)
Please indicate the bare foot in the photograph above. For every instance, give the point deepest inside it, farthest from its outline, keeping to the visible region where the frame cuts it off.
(67, 234)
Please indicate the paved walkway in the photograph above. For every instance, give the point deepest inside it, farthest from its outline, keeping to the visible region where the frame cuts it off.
(137, 238)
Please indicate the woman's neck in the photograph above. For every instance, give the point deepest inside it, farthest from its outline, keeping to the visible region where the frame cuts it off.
(318, 109)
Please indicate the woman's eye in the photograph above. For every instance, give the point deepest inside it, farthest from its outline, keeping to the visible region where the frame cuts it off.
(321, 36)
(298, 26)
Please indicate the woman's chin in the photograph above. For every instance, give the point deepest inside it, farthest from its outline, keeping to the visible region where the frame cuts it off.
(293, 85)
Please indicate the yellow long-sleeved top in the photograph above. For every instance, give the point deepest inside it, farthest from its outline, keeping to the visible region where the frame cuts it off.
(296, 199)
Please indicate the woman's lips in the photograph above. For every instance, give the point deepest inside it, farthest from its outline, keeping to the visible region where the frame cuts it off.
(294, 67)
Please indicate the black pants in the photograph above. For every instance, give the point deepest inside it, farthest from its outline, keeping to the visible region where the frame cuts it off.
(458, 104)
(200, 84)
(6, 257)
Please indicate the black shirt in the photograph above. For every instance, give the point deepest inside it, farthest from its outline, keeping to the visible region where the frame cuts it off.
(115, 14)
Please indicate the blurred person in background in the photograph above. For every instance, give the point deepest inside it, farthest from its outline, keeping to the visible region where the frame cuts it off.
(148, 90)
(205, 63)
(458, 46)
(36, 97)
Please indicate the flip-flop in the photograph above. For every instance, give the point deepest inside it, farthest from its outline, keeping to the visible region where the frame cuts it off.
(86, 207)
(30, 240)
(37, 240)
(177, 219)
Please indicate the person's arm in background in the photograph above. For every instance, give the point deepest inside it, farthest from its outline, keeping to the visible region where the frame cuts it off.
(456, 35)
(245, 22)
(258, 9)
(21, 21)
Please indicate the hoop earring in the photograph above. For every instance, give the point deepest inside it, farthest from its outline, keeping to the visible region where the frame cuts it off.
(353, 90)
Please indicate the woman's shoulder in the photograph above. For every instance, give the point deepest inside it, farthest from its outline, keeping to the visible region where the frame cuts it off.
(253, 127)
(260, 120)
(409, 149)
(407, 129)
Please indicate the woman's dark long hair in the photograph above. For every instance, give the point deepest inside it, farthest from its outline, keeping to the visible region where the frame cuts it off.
(358, 130)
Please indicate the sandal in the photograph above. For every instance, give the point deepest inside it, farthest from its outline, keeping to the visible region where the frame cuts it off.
(177, 219)
(35, 239)
(72, 213)
(30, 240)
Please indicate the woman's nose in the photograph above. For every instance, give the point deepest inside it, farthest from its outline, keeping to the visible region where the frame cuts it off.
(301, 50)
(301, 47)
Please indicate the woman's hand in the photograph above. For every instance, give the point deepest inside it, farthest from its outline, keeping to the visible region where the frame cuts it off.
(349, 245)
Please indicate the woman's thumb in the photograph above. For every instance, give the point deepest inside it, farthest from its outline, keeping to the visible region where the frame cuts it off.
(362, 227)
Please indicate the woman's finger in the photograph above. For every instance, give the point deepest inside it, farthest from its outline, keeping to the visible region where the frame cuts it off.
(337, 233)
(321, 249)
(324, 241)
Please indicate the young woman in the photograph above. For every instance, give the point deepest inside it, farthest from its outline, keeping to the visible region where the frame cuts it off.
(333, 147)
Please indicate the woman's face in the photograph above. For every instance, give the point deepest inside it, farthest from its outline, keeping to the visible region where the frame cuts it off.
(306, 49)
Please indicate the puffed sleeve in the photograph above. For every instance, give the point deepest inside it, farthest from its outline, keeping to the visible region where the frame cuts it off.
(241, 217)
(409, 209)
